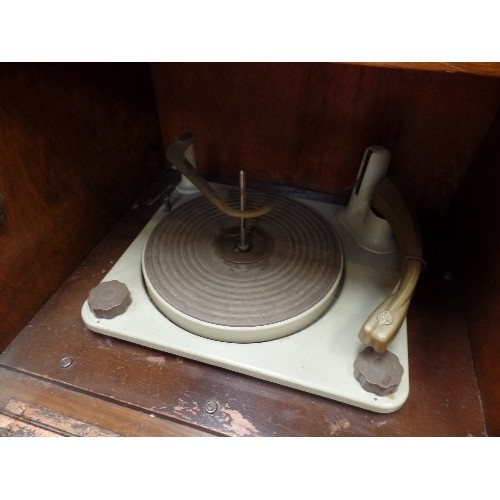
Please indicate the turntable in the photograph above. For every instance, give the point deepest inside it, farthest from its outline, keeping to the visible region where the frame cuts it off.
(295, 291)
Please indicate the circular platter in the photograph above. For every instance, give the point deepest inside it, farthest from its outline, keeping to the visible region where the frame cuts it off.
(199, 278)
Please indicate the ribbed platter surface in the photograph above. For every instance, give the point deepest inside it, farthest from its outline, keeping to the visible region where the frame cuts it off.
(286, 281)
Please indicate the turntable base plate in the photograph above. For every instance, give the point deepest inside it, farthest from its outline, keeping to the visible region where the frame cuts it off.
(318, 359)
(197, 276)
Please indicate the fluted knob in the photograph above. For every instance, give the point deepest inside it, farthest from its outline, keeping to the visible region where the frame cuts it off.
(109, 299)
(378, 372)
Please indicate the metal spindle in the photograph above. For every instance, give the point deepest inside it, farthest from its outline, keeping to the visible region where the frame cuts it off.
(243, 242)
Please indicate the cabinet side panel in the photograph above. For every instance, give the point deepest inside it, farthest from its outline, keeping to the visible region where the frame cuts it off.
(478, 249)
(77, 144)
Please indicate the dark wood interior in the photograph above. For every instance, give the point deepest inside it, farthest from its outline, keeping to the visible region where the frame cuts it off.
(77, 143)
(80, 142)
(478, 247)
(307, 125)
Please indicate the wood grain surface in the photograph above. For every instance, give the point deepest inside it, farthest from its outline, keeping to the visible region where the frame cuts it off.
(478, 249)
(307, 124)
(30, 406)
(78, 143)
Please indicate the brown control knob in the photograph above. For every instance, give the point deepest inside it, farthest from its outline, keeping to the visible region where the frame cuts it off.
(378, 372)
(109, 299)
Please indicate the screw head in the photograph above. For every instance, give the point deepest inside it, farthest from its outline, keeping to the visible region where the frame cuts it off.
(66, 362)
(211, 407)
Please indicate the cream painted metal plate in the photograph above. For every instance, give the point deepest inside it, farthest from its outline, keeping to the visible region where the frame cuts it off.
(318, 359)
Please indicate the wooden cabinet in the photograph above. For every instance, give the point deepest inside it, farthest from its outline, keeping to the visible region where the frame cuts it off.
(80, 142)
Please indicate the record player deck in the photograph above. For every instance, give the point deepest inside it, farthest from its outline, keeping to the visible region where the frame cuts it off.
(269, 286)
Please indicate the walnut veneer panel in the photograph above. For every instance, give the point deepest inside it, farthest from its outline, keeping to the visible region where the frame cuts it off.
(77, 143)
(443, 401)
(307, 125)
(479, 251)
